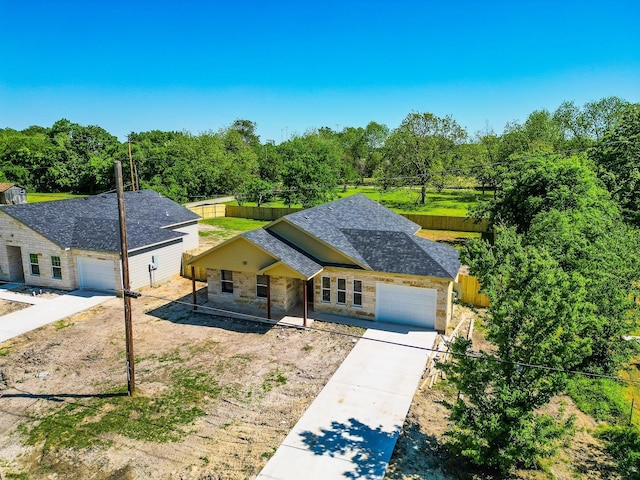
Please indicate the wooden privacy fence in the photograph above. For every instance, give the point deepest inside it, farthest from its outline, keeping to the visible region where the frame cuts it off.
(443, 222)
(470, 287)
(260, 213)
(210, 211)
(201, 273)
(431, 222)
(441, 353)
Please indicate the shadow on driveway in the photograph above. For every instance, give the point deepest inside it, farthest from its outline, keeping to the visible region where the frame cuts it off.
(356, 442)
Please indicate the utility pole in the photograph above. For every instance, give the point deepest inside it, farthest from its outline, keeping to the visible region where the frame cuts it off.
(133, 183)
(126, 293)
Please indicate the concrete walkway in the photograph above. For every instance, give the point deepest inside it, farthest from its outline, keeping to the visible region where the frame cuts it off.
(46, 311)
(351, 428)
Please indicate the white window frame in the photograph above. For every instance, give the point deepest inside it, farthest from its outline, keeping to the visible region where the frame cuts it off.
(34, 266)
(325, 289)
(357, 292)
(226, 282)
(341, 291)
(56, 267)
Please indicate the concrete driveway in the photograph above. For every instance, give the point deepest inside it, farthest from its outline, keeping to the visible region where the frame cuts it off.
(351, 428)
(44, 311)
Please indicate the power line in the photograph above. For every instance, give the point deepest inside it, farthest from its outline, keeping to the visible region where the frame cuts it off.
(256, 319)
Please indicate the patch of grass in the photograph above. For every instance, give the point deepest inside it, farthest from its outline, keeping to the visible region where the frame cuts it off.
(273, 379)
(171, 356)
(60, 324)
(601, 398)
(50, 197)
(234, 224)
(6, 351)
(307, 347)
(203, 347)
(89, 423)
(406, 200)
(16, 476)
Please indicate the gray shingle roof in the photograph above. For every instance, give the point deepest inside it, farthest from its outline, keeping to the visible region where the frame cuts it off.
(377, 238)
(288, 255)
(91, 223)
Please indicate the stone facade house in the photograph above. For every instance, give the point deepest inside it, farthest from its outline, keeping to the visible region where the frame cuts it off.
(351, 257)
(75, 244)
(12, 194)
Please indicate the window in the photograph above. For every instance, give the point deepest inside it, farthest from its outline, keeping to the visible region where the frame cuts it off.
(357, 293)
(35, 268)
(56, 268)
(262, 286)
(226, 281)
(342, 291)
(326, 289)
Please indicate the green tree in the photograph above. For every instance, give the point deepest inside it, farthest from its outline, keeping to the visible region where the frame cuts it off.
(422, 146)
(594, 243)
(540, 184)
(535, 317)
(256, 190)
(583, 126)
(310, 169)
(618, 158)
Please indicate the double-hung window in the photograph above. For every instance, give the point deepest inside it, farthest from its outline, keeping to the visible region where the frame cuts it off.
(261, 286)
(35, 267)
(56, 268)
(326, 289)
(357, 293)
(341, 290)
(226, 281)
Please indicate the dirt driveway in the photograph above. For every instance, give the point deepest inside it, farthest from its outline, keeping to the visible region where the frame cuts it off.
(215, 397)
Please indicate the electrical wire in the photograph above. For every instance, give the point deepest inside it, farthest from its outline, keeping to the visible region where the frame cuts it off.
(254, 318)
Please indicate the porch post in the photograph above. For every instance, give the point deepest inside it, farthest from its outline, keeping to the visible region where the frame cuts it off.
(304, 303)
(193, 287)
(269, 297)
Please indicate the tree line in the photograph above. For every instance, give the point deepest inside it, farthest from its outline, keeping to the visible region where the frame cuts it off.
(425, 151)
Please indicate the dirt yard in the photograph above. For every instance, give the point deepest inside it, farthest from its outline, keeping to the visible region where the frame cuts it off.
(7, 306)
(238, 386)
(215, 397)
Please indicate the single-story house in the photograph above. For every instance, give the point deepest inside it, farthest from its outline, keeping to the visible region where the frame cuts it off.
(350, 257)
(12, 194)
(75, 243)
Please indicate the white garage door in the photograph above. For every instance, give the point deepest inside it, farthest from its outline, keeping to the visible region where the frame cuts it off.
(96, 274)
(407, 305)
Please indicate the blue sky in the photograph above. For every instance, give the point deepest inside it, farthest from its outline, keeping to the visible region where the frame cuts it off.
(294, 65)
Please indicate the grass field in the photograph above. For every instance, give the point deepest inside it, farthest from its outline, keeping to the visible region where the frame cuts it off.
(49, 197)
(405, 200)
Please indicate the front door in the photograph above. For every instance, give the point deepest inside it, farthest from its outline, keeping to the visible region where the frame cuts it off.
(16, 271)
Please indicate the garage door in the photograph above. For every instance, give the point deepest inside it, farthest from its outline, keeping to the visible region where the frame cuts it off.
(407, 305)
(96, 274)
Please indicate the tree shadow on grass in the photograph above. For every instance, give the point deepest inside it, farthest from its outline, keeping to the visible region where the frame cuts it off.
(365, 447)
(181, 311)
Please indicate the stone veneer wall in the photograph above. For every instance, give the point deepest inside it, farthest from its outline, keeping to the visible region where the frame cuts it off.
(285, 292)
(16, 234)
(369, 280)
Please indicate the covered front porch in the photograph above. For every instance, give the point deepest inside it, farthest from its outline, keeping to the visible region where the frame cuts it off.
(257, 274)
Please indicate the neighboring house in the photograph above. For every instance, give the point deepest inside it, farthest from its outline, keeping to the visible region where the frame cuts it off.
(350, 257)
(71, 244)
(12, 194)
